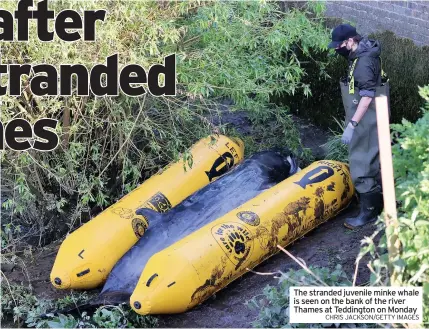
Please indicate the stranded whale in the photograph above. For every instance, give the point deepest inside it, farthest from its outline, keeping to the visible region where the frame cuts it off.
(256, 174)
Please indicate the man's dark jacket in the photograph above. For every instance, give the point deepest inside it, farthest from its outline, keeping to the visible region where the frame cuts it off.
(367, 71)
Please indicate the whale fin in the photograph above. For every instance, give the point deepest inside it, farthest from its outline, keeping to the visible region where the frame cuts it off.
(294, 167)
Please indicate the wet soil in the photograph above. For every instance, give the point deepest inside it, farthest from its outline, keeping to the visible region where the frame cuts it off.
(312, 137)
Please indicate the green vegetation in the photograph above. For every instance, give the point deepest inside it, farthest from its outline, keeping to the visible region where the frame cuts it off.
(273, 304)
(404, 62)
(411, 165)
(249, 52)
(243, 51)
(25, 308)
(406, 65)
(104, 317)
(335, 149)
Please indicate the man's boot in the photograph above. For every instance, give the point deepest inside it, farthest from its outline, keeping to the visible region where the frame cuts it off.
(371, 205)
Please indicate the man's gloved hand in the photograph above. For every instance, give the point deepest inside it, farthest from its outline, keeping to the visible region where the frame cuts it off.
(348, 134)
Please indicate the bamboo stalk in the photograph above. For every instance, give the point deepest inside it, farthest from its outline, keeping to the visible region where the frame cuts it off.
(66, 125)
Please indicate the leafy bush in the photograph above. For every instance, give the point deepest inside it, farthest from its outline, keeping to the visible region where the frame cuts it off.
(19, 302)
(404, 62)
(273, 304)
(104, 317)
(335, 149)
(406, 65)
(245, 51)
(411, 170)
(325, 101)
(411, 164)
(248, 51)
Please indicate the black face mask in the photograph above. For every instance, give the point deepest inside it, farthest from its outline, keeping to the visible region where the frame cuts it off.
(343, 51)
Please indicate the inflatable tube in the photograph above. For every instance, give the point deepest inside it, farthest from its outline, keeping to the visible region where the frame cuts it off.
(87, 255)
(256, 174)
(189, 271)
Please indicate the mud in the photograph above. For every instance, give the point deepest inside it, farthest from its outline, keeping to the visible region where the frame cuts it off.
(312, 137)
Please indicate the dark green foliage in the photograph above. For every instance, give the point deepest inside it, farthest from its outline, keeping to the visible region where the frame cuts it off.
(411, 170)
(325, 102)
(273, 304)
(405, 63)
(408, 68)
(411, 164)
(243, 51)
(19, 302)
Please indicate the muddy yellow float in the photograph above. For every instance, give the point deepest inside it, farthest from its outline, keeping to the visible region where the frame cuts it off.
(88, 254)
(192, 269)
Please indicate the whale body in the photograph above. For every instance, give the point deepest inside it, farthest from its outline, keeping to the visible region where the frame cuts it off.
(256, 174)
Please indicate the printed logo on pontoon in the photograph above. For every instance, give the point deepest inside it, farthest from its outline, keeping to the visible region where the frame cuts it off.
(316, 175)
(220, 166)
(264, 237)
(249, 217)
(235, 240)
(123, 212)
(159, 202)
(139, 227)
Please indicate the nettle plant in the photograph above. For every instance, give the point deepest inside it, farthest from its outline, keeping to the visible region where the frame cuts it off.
(411, 170)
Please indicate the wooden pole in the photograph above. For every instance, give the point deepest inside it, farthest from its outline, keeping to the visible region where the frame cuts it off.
(389, 198)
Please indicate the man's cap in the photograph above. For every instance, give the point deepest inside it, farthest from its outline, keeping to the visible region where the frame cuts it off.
(340, 33)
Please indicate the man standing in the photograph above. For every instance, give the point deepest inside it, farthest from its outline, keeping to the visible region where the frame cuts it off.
(358, 89)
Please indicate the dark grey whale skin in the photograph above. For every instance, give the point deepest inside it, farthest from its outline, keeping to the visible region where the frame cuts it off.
(256, 174)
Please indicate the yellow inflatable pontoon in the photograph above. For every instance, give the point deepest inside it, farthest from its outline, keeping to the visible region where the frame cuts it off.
(189, 271)
(87, 255)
